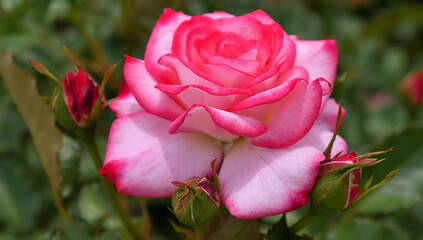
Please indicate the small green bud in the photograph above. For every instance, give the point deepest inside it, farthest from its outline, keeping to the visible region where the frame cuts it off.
(195, 201)
(337, 185)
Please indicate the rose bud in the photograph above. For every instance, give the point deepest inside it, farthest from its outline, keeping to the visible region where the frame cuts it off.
(412, 88)
(338, 183)
(78, 101)
(195, 201)
(81, 96)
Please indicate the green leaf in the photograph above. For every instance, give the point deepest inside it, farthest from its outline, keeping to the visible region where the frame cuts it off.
(145, 220)
(10, 137)
(404, 192)
(234, 228)
(187, 233)
(18, 210)
(110, 235)
(281, 231)
(77, 231)
(387, 179)
(95, 208)
(40, 120)
(69, 159)
(406, 143)
(366, 229)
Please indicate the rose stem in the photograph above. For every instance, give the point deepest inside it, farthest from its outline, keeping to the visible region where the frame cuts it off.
(89, 141)
(303, 222)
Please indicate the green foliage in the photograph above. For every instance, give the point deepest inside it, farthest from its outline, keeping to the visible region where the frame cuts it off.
(379, 43)
(40, 120)
(237, 229)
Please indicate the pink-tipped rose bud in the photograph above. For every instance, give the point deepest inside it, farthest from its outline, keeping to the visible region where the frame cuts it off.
(195, 201)
(81, 96)
(77, 102)
(412, 87)
(337, 185)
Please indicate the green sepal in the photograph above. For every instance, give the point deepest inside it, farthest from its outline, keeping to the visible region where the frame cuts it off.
(325, 196)
(192, 206)
(371, 154)
(63, 117)
(44, 71)
(215, 177)
(188, 233)
(77, 64)
(366, 191)
(328, 149)
(100, 106)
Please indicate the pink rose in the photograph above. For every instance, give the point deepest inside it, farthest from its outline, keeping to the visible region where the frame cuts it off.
(217, 78)
(412, 88)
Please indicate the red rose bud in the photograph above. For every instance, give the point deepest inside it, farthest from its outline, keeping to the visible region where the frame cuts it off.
(195, 201)
(81, 96)
(78, 102)
(338, 183)
(412, 88)
(78, 107)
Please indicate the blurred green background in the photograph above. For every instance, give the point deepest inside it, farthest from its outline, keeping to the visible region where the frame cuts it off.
(380, 42)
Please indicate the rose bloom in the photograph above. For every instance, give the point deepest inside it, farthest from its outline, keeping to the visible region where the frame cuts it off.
(238, 89)
(412, 88)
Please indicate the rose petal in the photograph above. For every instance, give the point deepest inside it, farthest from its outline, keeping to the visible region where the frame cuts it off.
(327, 118)
(319, 58)
(261, 16)
(287, 52)
(289, 81)
(258, 182)
(246, 66)
(160, 43)
(125, 103)
(195, 26)
(216, 97)
(320, 139)
(293, 117)
(265, 81)
(142, 158)
(218, 14)
(228, 76)
(321, 133)
(248, 28)
(141, 84)
(222, 125)
(187, 75)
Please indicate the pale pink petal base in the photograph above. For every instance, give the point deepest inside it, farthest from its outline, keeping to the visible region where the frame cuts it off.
(320, 138)
(322, 131)
(143, 159)
(259, 182)
(125, 103)
(222, 125)
(328, 116)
